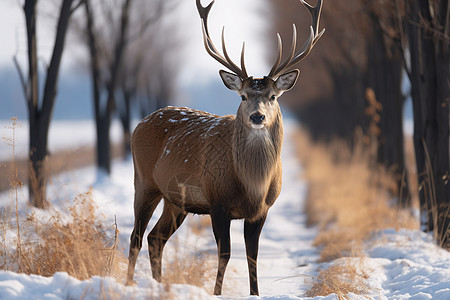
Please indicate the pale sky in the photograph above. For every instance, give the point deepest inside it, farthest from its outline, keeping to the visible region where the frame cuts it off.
(243, 21)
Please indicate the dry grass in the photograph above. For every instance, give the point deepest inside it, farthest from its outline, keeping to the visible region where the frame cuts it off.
(78, 244)
(187, 265)
(340, 279)
(190, 269)
(349, 198)
(4, 248)
(75, 242)
(200, 224)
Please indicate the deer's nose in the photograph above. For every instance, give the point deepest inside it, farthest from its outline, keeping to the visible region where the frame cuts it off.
(257, 118)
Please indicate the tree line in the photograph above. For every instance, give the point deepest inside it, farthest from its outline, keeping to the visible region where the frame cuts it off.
(114, 32)
(354, 79)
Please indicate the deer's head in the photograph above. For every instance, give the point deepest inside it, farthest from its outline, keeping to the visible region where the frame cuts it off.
(259, 106)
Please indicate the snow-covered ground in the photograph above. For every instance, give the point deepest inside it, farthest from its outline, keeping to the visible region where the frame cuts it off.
(400, 265)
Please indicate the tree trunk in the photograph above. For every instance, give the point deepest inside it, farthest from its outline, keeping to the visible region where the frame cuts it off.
(384, 73)
(125, 118)
(442, 108)
(40, 113)
(37, 179)
(103, 113)
(32, 91)
(430, 94)
(103, 144)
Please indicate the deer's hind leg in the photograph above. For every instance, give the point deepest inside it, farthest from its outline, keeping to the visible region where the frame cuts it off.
(145, 203)
(170, 220)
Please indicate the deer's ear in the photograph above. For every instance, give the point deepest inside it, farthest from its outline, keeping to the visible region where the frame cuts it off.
(231, 81)
(287, 81)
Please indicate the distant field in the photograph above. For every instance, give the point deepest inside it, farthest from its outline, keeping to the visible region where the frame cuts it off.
(70, 149)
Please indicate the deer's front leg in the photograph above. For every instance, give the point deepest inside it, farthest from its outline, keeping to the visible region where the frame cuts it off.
(221, 227)
(252, 232)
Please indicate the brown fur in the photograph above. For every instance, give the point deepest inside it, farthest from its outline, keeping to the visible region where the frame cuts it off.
(185, 153)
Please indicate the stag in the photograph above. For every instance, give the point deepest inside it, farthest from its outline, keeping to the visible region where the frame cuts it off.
(228, 167)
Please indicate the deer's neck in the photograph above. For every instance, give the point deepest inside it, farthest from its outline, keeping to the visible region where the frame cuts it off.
(256, 153)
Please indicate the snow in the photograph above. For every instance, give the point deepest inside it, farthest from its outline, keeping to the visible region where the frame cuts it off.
(402, 264)
(62, 286)
(407, 264)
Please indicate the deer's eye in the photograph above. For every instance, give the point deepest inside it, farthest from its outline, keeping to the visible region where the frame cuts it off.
(243, 98)
(273, 97)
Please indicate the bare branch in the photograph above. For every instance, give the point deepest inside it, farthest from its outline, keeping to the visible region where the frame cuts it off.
(76, 6)
(402, 38)
(20, 71)
(22, 79)
(149, 21)
(429, 27)
(53, 68)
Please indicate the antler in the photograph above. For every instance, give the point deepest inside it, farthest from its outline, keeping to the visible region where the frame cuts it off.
(211, 49)
(295, 57)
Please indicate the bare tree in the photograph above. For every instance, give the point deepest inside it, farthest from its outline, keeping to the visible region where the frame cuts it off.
(428, 29)
(384, 76)
(40, 109)
(140, 45)
(108, 51)
(128, 88)
(104, 80)
(164, 64)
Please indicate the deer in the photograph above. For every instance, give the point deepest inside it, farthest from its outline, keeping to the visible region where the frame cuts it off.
(228, 167)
